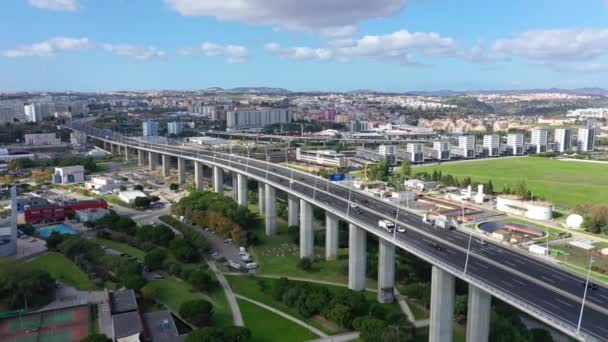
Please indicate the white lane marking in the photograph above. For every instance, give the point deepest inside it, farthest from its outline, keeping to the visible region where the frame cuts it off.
(565, 303)
(510, 263)
(553, 305)
(483, 266)
(519, 281)
(548, 279)
(506, 283)
(451, 251)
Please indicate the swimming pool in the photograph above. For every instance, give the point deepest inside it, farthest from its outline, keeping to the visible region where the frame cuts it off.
(60, 228)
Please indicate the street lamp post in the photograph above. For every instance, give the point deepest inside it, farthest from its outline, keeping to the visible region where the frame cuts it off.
(580, 317)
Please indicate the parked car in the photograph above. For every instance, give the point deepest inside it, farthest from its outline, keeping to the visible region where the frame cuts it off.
(251, 266)
(242, 250)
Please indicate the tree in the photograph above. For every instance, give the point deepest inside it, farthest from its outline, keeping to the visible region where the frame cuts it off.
(7, 179)
(54, 240)
(141, 202)
(236, 334)
(158, 235)
(133, 280)
(521, 190)
(19, 283)
(379, 171)
(340, 314)
(489, 188)
(371, 329)
(149, 292)
(305, 264)
(27, 229)
(155, 258)
(398, 332)
(198, 312)
(184, 250)
(405, 170)
(97, 338)
(15, 164)
(201, 280)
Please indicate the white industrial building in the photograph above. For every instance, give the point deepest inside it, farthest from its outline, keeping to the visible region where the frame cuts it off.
(150, 128)
(515, 142)
(101, 185)
(563, 139)
(256, 119)
(130, 196)
(441, 150)
(540, 138)
(535, 210)
(586, 139)
(322, 157)
(42, 139)
(466, 146)
(388, 152)
(69, 175)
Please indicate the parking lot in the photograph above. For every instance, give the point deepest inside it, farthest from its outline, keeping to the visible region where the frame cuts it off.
(224, 250)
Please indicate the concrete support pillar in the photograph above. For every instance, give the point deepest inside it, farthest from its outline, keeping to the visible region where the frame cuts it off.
(331, 236)
(293, 211)
(181, 170)
(235, 186)
(271, 210)
(105, 146)
(111, 148)
(152, 160)
(198, 175)
(261, 198)
(356, 258)
(141, 158)
(166, 165)
(218, 180)
(241, 182)
(442, 306)
(127, 156)
(478, 315)
(386, 272)
(307, 234)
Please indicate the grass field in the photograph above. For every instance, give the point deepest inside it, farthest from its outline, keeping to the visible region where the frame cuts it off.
(566, 183)
(172, 292)
(266, 326)
(63, 269)
(122, 247)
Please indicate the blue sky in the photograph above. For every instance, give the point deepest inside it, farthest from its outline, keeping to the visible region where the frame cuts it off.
(387, 45)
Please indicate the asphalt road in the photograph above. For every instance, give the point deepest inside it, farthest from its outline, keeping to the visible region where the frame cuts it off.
(539, 285)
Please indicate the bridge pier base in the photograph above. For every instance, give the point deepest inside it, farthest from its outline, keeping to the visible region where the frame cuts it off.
(293, 211)
(166, 165)
(181, 170)
(442, 306)
(478, 315)
(198, 176)
(261, 198)
(331, 236)
(271, 210)
(386, 272)
(235, 185)
(356, 258)
(112, 148)
(242, 194)
(218, 180)
(152, 161)
(127, 155)
(307, 238)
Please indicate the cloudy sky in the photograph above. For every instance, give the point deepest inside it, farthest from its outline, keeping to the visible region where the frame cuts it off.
(387, 45)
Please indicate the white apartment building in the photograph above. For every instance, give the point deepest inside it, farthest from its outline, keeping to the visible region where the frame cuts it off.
(515, 141)
(388, 152)
(540, 139)
(150, 128)
(563, 139)
(322, 157)
(256, 119)
(415, 152)
(175, 127)
(42, 139)
(491, 144)
(467, 144)
(442, 150)
(33, 112)
(69, 175)
(586, 139)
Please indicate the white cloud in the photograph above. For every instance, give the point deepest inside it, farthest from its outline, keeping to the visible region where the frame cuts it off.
(397, 47)
(307, 15)
(55, 5)
(47, 48)
(554, 45)
(300, 53)
(338, 31)
(232, 53)
(138, 52)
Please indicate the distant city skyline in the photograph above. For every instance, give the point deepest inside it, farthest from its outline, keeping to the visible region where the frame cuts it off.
(384, 45)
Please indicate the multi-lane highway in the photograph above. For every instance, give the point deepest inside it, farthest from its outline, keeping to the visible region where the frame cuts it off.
(535, 286)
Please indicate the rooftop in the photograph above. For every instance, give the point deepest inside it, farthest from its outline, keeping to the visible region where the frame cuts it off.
(127, 324)
(123, 301)
(161, 327)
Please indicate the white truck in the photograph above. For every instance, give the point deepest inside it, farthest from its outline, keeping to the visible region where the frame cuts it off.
(386, 225)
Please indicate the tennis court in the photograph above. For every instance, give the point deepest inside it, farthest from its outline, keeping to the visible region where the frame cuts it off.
(71, 324)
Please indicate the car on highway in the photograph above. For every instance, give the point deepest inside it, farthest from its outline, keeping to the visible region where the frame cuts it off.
(400, 228)
(436, 246)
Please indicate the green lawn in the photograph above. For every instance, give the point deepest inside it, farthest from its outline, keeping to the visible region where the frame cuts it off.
(566, 183)
(249, 287)
(62, 268)
(266, 326)
(122, 247)
(172, 292)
